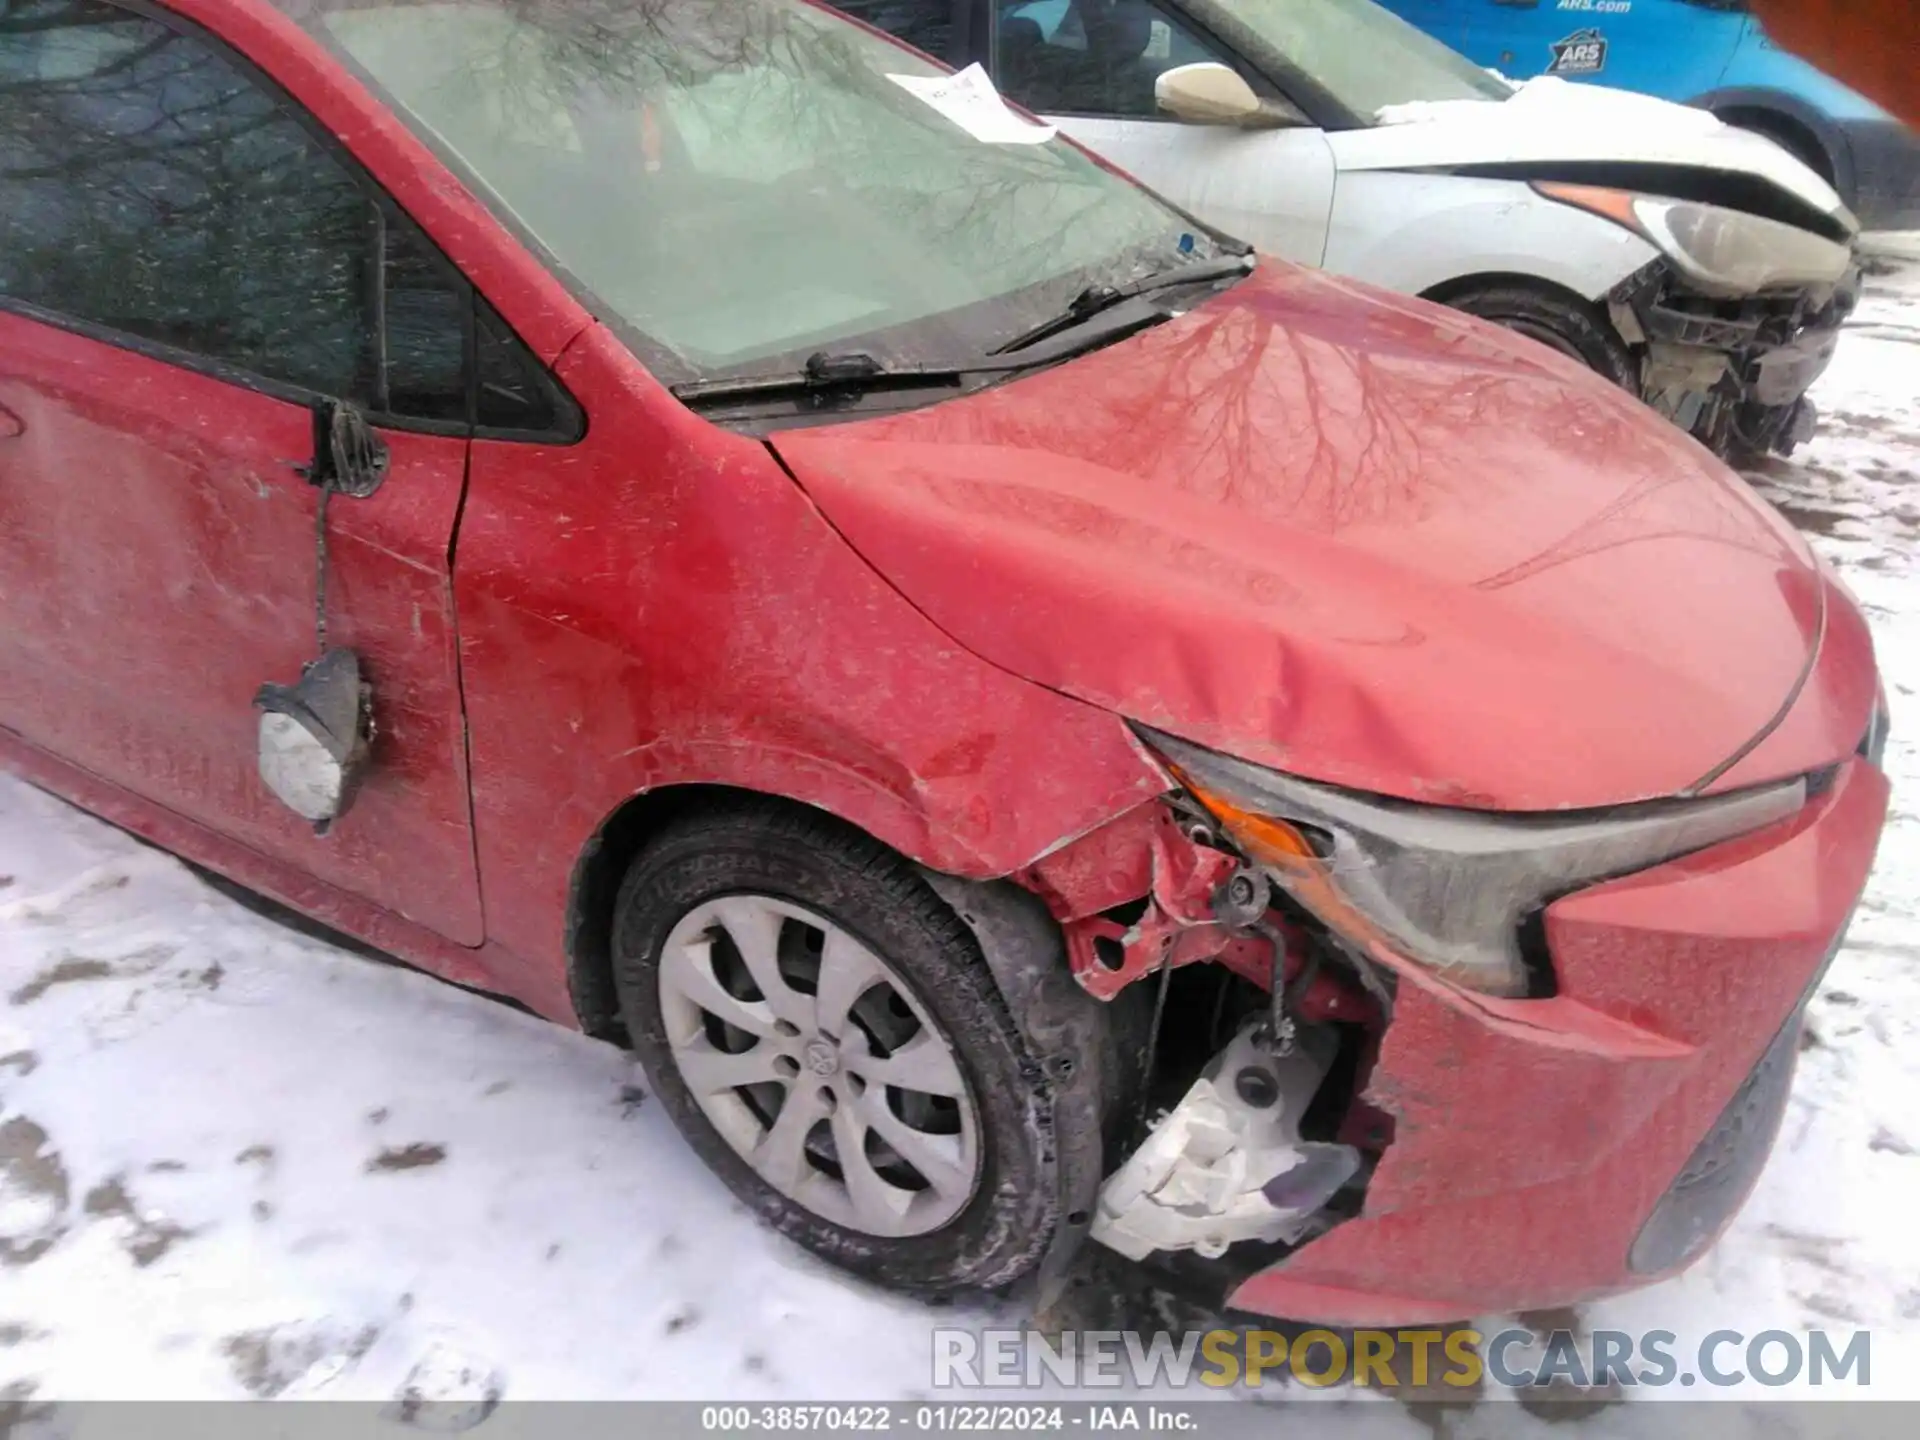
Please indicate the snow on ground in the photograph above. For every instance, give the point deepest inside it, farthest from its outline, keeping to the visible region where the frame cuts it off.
(235, 1160)
(1828, 1239)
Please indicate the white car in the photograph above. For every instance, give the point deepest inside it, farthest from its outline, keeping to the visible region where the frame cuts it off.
(1699, 265)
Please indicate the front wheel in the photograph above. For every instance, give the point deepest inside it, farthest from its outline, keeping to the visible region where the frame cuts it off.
(1564, 323)
(824, 1032)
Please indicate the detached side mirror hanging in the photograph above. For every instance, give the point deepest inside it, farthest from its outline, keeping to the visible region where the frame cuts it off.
(316, 737)
(1209, 93)
(348, 455)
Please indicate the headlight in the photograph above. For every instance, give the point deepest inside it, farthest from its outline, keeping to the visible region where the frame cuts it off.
(1722, 251)
(1447, 888)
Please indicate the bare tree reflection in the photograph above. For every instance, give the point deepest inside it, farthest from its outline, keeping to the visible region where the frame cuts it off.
(1285, 400)
(737, 176)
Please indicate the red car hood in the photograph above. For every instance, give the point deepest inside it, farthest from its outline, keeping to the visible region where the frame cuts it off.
(1354, 536)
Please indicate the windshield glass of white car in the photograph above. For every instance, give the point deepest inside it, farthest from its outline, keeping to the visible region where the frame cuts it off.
(735, 180)
(1364, 56)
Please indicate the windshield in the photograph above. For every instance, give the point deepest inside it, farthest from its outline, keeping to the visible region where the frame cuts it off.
(1365, 57)
(733, 180)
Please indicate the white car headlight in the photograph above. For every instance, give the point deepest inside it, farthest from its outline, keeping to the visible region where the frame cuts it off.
(1447, 888)
(1723, 252)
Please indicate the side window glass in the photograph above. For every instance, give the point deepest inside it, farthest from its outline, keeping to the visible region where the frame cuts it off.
(924, 24)
(514, 392)
(426, 308)
(1091, 57)
(148, 186)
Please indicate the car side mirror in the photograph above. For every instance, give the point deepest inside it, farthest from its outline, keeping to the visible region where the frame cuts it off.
(316, 736)
(348, 456)
(1209, 93)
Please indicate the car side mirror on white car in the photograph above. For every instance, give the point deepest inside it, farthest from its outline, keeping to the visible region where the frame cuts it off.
(1209, 93)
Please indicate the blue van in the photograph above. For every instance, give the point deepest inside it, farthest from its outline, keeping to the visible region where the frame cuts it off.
(1710, 53)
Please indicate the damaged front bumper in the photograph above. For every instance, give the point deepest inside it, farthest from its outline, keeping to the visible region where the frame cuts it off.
(1500, 1154)
(1733, 373)
(1549, 1151)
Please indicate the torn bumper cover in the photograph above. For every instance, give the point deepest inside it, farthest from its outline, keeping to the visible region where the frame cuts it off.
(1548, 1151)
(1734, 373)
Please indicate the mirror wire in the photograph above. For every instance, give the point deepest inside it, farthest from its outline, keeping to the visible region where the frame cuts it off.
(339, 440)
(320, 568)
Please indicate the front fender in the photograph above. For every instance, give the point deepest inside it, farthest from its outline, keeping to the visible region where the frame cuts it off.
(1414, 233)
(661, 604)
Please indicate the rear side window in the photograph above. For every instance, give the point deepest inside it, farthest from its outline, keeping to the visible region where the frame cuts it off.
(153, 187)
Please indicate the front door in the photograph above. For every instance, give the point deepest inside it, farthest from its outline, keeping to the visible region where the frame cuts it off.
(1089, 66)
(185, 270)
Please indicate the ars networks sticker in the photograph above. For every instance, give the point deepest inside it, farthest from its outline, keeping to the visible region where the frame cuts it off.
(1582, 53)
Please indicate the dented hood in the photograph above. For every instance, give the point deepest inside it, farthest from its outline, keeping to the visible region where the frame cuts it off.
(1548, 121)
(1351, 535)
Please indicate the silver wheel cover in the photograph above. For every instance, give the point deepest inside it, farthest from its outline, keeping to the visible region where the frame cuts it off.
(819, 1066)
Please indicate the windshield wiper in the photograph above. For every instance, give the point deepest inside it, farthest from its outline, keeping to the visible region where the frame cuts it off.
(830, 375)
(823, 373)
(1096, 298)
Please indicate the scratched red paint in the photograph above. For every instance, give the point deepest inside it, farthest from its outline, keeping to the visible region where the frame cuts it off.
(1352, 535)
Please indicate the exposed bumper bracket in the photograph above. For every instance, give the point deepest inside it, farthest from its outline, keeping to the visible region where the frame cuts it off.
(1178, 927)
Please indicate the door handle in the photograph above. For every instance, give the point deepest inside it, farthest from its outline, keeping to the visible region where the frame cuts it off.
(10, 424)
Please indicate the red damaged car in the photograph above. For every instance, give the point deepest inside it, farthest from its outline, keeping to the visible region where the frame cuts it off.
(1030, 720)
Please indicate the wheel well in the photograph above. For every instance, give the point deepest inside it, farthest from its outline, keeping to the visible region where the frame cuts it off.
(1790, 134)
(1582, 329)
(1448, 292)
(596, 883)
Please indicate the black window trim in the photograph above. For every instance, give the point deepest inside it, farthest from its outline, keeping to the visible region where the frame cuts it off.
(961, 18)
(1293, 86)
(386, 212)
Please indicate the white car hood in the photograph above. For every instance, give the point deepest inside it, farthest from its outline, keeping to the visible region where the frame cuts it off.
(1548, 119)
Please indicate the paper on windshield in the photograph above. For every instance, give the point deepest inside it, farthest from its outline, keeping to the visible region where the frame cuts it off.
(970, 101)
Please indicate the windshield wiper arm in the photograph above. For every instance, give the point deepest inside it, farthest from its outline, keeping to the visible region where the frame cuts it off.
(1095, 298)
(855, 372)
(823, 373)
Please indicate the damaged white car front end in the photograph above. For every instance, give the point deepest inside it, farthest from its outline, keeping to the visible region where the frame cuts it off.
(1698, 265)
(1716, 268)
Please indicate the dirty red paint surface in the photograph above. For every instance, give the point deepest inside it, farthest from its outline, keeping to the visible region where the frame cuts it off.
(158, 553)
(1356, 536)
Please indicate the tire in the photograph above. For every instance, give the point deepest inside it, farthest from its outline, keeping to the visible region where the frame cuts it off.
(802, 890)
(1571, 326)
(1790, 136)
